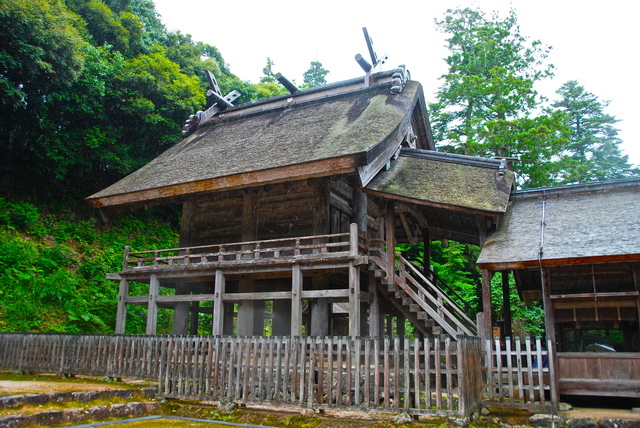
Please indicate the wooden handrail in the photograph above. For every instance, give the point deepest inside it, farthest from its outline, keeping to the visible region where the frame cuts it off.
(238, 251)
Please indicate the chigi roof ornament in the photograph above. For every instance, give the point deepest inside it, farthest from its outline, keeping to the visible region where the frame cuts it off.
(221, 103)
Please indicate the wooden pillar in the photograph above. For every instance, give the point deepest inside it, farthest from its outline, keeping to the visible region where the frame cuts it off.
(374, 307)
(506, 303)
(320, 317)
(195, 317)
(180, 312)
(229, 314)
(636, 281)
(152, 307)
(121, 317)
(550, 328)
(391, 242)
(486, 302)
(354, 300)
(250, 319)
(296, 302)
(217, 328)
(281, 318)
(361, 206)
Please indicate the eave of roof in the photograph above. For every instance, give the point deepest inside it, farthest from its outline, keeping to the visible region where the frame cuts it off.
(309, 138)
(466, 183)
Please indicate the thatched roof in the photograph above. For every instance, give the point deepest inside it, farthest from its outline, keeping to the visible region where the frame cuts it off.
(275, 142)
(582, 224)
(441, 179)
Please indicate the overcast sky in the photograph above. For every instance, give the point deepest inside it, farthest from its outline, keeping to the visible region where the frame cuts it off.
(593, 41)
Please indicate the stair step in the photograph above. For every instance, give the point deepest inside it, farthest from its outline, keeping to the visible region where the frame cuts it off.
(414, 307)
(400, 295)
(406, 301)
(429, 323)
(392, 288)
(422, 315)
(379, 273)
(437, 330)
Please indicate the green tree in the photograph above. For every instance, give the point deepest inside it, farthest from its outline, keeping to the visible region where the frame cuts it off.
(487, 103)
(315, 75)
(267, 71)
(594, 152)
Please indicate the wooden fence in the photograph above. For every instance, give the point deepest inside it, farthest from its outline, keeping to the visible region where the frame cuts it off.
(436, 375)
(134, 356)
(519, 374)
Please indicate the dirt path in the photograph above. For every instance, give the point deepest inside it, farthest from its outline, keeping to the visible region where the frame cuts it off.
(13, 387)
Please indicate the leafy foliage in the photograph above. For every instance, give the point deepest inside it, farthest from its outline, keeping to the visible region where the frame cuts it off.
(53, 266)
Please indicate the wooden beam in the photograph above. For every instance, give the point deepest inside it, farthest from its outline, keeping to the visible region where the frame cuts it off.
(121, 316)
(257, 295)
(217, 328)
(556, 262)
(296, 302)
(152, 307)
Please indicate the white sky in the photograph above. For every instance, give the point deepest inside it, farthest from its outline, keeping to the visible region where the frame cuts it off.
(593, 41)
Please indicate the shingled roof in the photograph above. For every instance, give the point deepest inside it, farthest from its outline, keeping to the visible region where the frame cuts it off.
(328, 132)
(587, 223)
(441, 179)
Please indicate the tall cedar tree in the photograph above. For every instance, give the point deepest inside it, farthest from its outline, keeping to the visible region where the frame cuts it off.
(594, 152)
(486, 104)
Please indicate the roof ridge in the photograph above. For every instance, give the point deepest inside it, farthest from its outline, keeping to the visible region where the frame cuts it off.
(567, 189)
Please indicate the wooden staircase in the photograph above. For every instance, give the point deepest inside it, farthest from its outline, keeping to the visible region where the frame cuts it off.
(420, 299)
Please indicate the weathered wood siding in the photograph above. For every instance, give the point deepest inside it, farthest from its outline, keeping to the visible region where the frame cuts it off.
(599, 373)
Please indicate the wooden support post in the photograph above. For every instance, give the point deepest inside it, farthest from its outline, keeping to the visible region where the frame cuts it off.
(217, 328)
(320, 317)
(550, 328)
(486, 302)
(353, 239)
(506, 303)
(195, 319)
(296, 302)
(361, 206)
(354, 300)
(374, 308)
(391, 242)
(121, 317)
(636, 281)
(281, 318)
(180, 312)
(152, 307)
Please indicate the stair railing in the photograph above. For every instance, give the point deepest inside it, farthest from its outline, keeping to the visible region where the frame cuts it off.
(444, 310)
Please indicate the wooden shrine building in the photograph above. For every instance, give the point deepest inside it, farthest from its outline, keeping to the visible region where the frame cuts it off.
(577, 249)
(298, 200)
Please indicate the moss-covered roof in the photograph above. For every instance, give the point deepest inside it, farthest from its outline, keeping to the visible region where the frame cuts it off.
(440, 179)
(352, 124)
(588, 222)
